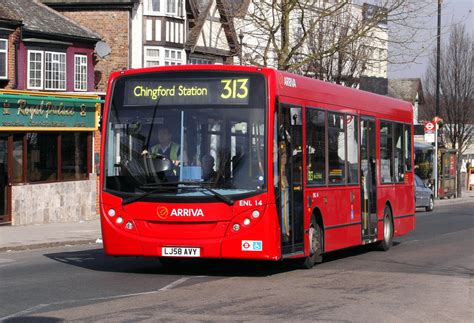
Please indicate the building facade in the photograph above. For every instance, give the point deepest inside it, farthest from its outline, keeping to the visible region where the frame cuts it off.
(47, 116)
(111, 21)
(337, 41)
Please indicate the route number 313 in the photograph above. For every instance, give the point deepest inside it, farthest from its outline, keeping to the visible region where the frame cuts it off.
(235, 89)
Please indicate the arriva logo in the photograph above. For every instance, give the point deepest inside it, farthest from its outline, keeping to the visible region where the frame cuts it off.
(187, 212)
(289, 81)
(162, 212)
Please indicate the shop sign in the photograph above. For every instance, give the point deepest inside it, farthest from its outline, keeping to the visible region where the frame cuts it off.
(28, 112)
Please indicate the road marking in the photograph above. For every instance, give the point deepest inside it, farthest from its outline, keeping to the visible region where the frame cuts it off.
(41, 306)
(173, 284)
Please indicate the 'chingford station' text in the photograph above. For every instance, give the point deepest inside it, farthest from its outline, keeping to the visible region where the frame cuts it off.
(160, 91)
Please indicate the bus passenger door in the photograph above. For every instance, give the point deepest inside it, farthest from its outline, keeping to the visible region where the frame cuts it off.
(290, 178)
(368, 181)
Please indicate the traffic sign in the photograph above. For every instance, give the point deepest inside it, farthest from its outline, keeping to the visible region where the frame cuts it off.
(429, 137)
(429, 126)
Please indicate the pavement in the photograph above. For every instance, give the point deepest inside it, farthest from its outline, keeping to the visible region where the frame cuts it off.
(467, 196)
(14, 238)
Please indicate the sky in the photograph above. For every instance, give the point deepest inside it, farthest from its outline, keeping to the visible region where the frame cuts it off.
(453, 12)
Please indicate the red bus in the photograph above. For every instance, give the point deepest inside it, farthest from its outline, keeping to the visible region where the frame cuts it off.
(251, 163)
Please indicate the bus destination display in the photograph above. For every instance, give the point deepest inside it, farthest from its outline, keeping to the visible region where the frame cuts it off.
(187, 92)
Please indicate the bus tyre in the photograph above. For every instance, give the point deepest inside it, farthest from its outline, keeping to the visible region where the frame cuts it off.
(315, 246)
(430, 206)
(387, 240)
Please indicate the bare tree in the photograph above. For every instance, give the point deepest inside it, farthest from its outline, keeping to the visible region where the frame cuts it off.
(456, 92)
(316, 37)
(353, 54)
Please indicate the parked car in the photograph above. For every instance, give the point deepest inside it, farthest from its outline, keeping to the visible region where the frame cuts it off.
(424, 196)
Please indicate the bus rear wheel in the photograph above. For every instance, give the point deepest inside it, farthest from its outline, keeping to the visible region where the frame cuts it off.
(315, 246)
(387, 240)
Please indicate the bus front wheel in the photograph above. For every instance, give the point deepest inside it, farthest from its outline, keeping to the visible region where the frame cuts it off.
(315, 246)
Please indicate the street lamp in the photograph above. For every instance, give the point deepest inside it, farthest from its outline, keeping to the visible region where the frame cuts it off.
(438, 58)
(241, 37)
(438, 63)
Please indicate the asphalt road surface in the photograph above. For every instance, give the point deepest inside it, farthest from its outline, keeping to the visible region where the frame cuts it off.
(426, 276)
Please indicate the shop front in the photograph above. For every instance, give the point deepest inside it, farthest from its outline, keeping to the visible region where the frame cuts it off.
(46, 157)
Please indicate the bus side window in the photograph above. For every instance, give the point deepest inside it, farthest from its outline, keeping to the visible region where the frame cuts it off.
(336, 148)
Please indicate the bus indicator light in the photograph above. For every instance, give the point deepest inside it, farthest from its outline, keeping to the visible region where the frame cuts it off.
(111, 212)
(129, 225)
(119, 220)
(246, 221)
(236, 227)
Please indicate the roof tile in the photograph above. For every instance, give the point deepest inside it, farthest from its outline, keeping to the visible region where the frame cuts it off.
(37, 17)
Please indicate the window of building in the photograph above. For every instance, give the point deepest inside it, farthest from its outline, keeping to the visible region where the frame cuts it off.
(152, 56)
(80, 72)
(171, 6)
(55, 71)
(386, 151)
(51, 156)
(173, 57)
(153, 6)
(352, 149)
(42, 156)
(336, 148)
(74, 155)
(17, 165)
(200, 60)
(35, 69)
(3, 58)
(316, 146)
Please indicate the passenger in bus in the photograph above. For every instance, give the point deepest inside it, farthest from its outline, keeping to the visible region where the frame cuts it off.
(208, 173)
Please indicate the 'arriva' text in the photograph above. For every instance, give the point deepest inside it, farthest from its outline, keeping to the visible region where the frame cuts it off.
(187, 212)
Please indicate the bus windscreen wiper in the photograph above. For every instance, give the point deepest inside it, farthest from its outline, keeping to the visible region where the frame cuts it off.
(156, 189)
(165, 186)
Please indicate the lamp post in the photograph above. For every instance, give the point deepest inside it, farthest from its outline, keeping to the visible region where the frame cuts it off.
(438, 63)
(241, 37)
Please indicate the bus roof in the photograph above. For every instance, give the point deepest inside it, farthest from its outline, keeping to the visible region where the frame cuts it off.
(337, 95)
(307, 89)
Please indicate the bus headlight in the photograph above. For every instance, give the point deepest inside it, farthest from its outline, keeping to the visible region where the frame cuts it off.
(119, 220)
(246, 221)
(255, 214)
(111, 212)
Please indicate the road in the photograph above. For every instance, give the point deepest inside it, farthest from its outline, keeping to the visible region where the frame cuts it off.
(426, 276)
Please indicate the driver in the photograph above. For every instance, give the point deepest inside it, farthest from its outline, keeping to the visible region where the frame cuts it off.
(166, 147)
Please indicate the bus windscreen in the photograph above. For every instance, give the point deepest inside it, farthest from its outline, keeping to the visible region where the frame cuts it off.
(168, 131)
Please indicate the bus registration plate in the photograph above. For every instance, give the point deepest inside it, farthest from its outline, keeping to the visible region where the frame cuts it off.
(180, 252)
